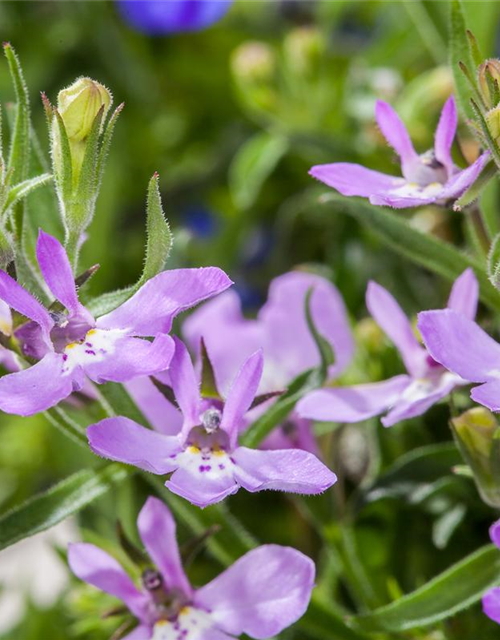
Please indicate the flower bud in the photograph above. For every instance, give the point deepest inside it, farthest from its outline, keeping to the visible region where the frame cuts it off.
(254, 62)
(304, 49)
(488, 75)
(493, 122)
(477, 435)
(79, 105)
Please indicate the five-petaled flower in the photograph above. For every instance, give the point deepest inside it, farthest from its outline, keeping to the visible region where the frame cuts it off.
(205, 458)
(70, 344)
(404, 396)
(460, 345)
(431, 177)
(261, 594)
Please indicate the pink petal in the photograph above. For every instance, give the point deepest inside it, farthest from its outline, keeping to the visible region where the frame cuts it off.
(161, 414)
(495, 533)
(487, 394)
(37, 388)
(96, 567)
(123, 440)
(445, 133)
(460, 345)
(24, 303)
(395, 324)
(151, 310)
(262, 593)
(491, 604)
(157, 530)
(355, 180)
(394, 131)
(199, 489)
(292, 470)
(461, 181)
(464, 294)
(186, 387)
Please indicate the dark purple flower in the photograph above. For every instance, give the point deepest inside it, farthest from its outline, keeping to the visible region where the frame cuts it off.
(404, 396)
(427, 178)
(491, 599)
(71, 344)
(261, 594)
(281, 331)
(205, 458)
(460, 345)
(158, 17)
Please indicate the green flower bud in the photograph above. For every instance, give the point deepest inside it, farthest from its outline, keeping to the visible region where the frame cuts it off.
(253, 62)
(79, 105)
(304, 49)
(478, 437)
(489, 81)
(493, 121)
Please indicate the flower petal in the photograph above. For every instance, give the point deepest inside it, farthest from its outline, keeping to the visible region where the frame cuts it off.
(94, 566)
(142, 632)
(354, 179)
(464, 294)
(289, 343)
(352, 404)
(157, 530)
(397, 201)
(394, 131)
(491, 604)
(37, 388)
(292, 470)
(24, 303)
(487, 394)
(395, 324)
(419, 396)
(185, 386)
(129, 358)
(495, 533)
(151, 310)
(123, 440)
(58, 274)
(460, 345)
(162, 415)
(445, 133)
(241, 395)
(200, 489)
(461, 181)
(262, 593)
(5, 319)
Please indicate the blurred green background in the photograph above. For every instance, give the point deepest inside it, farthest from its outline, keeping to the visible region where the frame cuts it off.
(232, 119)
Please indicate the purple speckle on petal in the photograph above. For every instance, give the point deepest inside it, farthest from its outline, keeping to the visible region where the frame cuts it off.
(90, 352)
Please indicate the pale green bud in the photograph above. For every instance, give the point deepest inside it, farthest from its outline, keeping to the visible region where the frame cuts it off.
(79, 105)
(253, 62)
(493, 121)
(304, 49)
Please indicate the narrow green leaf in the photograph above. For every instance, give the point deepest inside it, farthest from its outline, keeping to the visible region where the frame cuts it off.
(19, 154)
(253, 164)
(490, 142)
(321, 622)
(459, 51)
(106, 302)
(475, 190)
(62, 165)
(494, 262)
(428, 251)
(475, 52)
(64, 499)
(23, 189)
(159, 236)
(427, 30)
(120, 402)
(7, 250)
(445, 595)
(106, 143)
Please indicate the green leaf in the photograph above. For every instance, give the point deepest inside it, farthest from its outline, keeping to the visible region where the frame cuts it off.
(459, 52)
(60, 501)
(106, 302)
(19, 154)
(106, 143)
(475, 190)
(445, 595)
(7, 250)
(23, 189)
(428, 251)
(159, 236)
(253, 164)
(120, 403)
(326, 354)
(62, 166)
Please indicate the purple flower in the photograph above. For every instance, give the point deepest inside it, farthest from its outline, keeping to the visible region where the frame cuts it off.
(7, 358)
(205, 458)
(71, 344)
(491, 599)
(158, 17)
(460, 345)
(281, 331)
(404, 396)
(427, 178)
(261, 594)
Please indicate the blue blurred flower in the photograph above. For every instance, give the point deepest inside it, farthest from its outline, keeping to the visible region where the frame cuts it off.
(157, 17)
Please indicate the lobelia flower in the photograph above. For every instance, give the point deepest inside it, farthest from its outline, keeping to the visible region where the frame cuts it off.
(491, 599)
(460, 345)
(158, 17)
(261, 594)
(71, 344)
(281, 330)
(205, 458)
(427, 178)
(404, 396)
